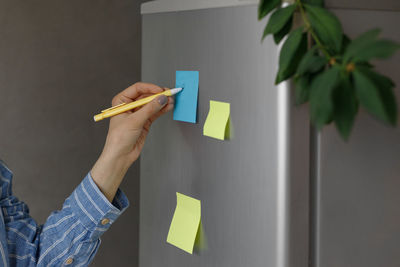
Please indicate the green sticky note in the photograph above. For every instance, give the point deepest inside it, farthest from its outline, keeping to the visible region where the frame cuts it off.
(185, 223)
(217, 122)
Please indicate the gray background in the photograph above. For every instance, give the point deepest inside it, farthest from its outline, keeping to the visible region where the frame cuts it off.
(58, 54)
(60, 62)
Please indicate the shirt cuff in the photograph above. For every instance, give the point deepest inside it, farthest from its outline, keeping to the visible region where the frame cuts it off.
(93, 209)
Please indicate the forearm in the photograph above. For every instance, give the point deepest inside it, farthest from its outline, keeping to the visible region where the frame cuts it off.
(108, 173)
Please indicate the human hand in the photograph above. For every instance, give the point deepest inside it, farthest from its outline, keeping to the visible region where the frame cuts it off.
(126, 135)
(127, 131)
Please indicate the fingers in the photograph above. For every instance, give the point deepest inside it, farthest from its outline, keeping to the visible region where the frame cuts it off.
(135, 91)
(138, 98)
(169, 106)
(149, 110)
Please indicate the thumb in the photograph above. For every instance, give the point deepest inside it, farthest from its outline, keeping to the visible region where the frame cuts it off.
(150, 109)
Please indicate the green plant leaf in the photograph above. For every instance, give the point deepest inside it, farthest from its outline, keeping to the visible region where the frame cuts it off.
(365, 64)
(292, 51)
(345, 43)
(388, 97)
(385, 87)
(266, 6)
(359, 43)
(278, 20)
(321, 103)
(370, 96)
(314, 2)
(345, 106)
(378, 49)
(282, 32)
(302, 89)
(311, 62)
(326, 26)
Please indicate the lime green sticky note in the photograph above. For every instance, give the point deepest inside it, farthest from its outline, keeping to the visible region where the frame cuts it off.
(185, 223)
(217, 120)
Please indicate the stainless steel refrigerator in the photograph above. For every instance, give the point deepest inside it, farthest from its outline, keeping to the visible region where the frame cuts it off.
(277, 194)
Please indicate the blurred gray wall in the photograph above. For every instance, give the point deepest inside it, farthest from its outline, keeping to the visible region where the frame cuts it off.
(60, 62)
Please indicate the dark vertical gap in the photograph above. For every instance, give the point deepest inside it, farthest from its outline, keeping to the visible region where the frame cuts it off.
(140, 26)
(314, 197)
(139, 210)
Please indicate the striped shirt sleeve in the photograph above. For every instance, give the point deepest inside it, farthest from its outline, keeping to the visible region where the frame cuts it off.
(70, 236)
(93, 209)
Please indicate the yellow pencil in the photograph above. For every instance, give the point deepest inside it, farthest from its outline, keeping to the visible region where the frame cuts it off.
(121, 108)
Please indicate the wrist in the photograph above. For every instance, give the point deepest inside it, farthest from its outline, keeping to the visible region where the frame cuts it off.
(117, 161)
(117, 150)
(108, 173)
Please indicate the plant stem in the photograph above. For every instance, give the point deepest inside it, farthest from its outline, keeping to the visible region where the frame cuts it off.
(311, 31)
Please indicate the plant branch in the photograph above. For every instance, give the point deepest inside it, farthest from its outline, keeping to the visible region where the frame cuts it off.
(311, 31)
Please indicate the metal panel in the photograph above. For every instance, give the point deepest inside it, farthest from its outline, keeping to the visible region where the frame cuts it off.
(358, 221)
(180, 5)
(253, 187)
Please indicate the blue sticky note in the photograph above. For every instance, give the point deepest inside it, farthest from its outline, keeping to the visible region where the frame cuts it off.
(186, 101)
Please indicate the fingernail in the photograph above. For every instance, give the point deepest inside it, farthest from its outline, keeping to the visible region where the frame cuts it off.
(162, 100)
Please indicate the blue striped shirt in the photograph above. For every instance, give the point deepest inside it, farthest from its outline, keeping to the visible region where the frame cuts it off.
(69, 237)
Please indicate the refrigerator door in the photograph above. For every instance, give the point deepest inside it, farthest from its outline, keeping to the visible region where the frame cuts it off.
(253, 188)
(357, 198)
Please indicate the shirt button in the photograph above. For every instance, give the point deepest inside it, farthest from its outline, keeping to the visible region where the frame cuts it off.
(69, 261)
(105, 221)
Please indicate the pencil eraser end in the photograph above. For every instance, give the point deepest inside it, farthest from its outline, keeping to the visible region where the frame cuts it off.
(98, 117)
